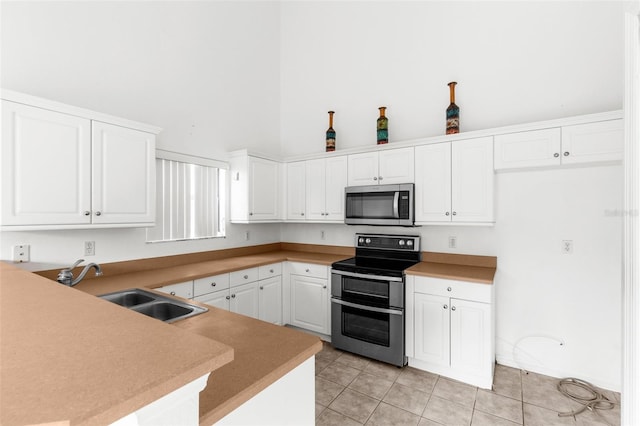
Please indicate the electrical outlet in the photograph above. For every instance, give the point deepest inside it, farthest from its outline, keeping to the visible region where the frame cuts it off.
(21, 253)
(89, 248)
(322, 235)
(567, 246)
(453, 242)
(246, 235)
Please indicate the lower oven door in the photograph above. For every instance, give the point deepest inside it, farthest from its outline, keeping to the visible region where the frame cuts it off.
(373, 332)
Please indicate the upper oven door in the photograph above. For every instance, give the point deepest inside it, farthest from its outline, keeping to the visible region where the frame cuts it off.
(369, 290)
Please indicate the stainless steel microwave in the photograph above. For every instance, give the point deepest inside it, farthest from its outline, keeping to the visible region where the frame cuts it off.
(391, 205)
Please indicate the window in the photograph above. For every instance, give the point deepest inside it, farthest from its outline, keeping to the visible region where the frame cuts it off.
(190, 198)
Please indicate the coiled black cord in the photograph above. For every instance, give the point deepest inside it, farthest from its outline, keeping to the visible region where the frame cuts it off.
(594, 401)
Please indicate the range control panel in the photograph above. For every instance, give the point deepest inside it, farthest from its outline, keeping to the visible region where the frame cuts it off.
(388, 242)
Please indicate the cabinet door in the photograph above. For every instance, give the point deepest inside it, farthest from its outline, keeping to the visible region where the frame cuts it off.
(315, 189)
(309, 303)
(527, 149)
(46, 167)
(270, 298)
(336, 181)
(296, 190)
(362, 169)
(593, 142)
(218, 299)
(396, 166)
(470, 336)
(123, 171)
(263, 189)
(431, 327)
(184, 290)
(244, 300)
(433, 183)
(472, 180)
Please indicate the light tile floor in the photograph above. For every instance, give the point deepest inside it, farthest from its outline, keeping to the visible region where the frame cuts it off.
(352, 390)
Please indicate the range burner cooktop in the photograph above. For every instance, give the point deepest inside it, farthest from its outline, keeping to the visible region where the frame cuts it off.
(381, 254)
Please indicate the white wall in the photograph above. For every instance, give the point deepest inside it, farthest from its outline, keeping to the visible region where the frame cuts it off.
(515, 62)
(206, 72)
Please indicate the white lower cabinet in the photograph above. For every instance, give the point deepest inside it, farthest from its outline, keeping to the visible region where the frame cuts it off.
(254, 292)
(309, 297)
(450, 329)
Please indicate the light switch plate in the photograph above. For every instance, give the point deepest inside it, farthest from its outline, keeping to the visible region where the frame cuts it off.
(21, 253)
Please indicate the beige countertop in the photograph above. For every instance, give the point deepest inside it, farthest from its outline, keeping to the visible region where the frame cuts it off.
(98, 337)
(69, 357)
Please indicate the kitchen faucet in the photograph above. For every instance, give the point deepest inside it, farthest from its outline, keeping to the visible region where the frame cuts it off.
(65, 276)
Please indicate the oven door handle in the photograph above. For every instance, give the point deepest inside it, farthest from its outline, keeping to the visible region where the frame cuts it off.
(367, 276)
(367, 308)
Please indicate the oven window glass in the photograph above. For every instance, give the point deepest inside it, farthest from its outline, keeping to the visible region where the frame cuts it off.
(372, 327)
(365, 291)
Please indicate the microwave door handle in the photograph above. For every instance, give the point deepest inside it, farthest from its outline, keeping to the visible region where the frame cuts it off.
(396, 202)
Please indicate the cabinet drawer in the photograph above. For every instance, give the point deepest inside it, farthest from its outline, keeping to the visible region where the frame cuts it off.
(308, 269)
(210, 284)
(268, 271)
(456, 289)
(184, 289)
(243, 276)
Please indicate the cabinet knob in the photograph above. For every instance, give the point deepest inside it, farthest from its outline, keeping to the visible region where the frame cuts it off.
(556, 154)
(379, 177)
(375, 178)
(446, 214)
(324, 286)
(246, 276)
(98, 213)
(566, 153)
(250, 214)
(261, 288)
(228, 297)
(306, 270)
(213, 284)
(444, 306)
(448, 288)
(454, 213)
(453, 308)
(173, 293)
(271, 271)
(301, 214)
(87, 213)
(233, 296)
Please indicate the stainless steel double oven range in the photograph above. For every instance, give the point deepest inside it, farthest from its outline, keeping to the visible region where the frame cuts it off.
(368, 297)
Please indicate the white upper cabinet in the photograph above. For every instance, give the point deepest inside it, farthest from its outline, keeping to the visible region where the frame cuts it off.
(600, 141)
(454, 181)
(123, 181)
(325, 182)
(381, 167)
(255, 187)
(63, 169)
(296, 190)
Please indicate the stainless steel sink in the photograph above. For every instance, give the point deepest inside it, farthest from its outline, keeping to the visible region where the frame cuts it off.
(153, 305)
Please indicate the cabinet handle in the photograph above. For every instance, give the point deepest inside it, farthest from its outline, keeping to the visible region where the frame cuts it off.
(446, 214)
(233, 296)
(448, 288)
(246, 276)
(453, 308)
(261, 288)
(228, 297)
(375, 178)
(87, 213)
(173, 293)
(444, 306)
(556, 155)
(213, 284)
(566, 153)
(98, 213)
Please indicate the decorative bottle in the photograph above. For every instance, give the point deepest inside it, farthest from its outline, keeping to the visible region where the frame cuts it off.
(331, 134)
(383, 127)
(453, 112)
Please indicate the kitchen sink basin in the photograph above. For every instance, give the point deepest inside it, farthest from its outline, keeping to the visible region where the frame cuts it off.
(153, 305)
